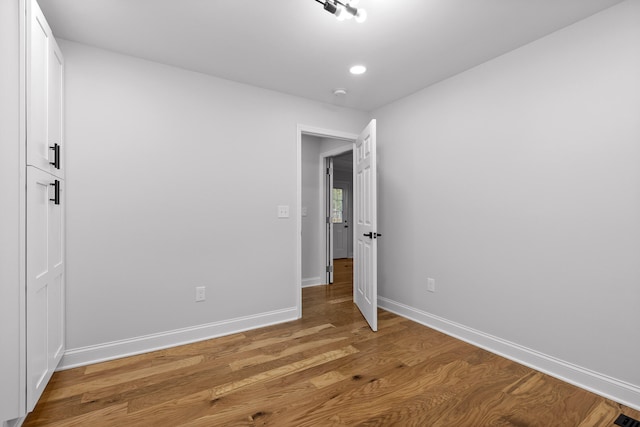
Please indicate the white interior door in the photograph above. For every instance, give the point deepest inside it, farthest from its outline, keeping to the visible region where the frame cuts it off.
(328, 186)
(365, 289)
(340, 220)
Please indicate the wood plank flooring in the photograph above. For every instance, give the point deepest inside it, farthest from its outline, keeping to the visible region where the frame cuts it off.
(327, 369)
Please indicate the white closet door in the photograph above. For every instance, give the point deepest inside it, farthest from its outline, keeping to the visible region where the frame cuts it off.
(56, 301)
(38, 41)
(55, 107)
(45, 280)
(45, 88)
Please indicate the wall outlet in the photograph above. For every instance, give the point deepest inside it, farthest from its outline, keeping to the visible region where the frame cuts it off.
(431, 284)
(200, 293)
(283, 211)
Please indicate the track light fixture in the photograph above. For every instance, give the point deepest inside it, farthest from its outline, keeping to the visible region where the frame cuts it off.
(344, 11)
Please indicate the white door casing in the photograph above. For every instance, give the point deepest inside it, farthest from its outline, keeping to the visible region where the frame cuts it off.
(45, 280)
(365, 287)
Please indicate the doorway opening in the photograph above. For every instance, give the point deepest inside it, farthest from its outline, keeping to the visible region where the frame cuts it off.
(318, 148)
(338, 207)
(364, 230)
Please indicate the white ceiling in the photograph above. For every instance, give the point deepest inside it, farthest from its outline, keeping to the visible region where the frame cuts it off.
(294, 46)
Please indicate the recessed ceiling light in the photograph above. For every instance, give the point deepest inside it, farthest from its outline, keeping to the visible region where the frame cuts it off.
(358, 69)
(340, 92)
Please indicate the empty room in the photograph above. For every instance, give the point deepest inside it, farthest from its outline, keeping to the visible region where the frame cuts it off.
(319, 212)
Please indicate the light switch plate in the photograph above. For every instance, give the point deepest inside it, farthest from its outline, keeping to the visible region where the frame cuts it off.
(431, 284)
(283, 211)
(200, 293)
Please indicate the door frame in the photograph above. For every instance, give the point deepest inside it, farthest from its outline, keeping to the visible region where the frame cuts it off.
(323, 133)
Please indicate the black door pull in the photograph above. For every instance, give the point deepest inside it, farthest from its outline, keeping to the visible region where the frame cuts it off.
(56, 156)
(372, 235)
(56, 192)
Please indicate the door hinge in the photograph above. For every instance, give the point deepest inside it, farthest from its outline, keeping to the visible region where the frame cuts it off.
(329, 268)
(327, 220)
(329, 171)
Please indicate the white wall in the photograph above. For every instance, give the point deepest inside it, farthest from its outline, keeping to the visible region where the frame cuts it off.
(174, 178)
(328, 145)
(312, 273)
(516, 185)
(10, 225)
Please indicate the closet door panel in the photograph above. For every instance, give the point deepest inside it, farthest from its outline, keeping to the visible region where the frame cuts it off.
(45, 279)
(38, 47)
(39, 210)
(55, 108)
(45, 225)
(55, 312)
(56, 301)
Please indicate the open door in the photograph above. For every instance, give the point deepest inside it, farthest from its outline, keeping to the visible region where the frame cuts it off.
(365, 275)
(328, 192)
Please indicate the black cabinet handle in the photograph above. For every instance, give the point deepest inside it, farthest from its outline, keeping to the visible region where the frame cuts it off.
(377, 235)
(56, 192)
(56, 155)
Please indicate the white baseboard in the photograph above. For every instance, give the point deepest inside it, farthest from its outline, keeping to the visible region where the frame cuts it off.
(129, 347)
(311, 281)
(14, 423)
(597, 383)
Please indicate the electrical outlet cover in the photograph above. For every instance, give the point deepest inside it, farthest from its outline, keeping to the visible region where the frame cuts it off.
(283, 211)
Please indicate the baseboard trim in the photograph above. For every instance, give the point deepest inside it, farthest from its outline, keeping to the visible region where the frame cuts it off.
(14, 423)
(311, 281)
(597, 383)
(117, 349)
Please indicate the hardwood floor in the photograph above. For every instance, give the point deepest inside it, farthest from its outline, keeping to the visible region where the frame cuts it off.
(327, 369)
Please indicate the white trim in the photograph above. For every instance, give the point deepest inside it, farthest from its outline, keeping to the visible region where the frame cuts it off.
(307, 130)
(145, 344)
(311, 281)
(597, 383)
(24, 27)
(298, 278)
(337, 151)
(16, 422)
(326, 133)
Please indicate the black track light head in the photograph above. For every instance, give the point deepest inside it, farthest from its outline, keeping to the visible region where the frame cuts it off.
(340, 9)
(330, 7)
